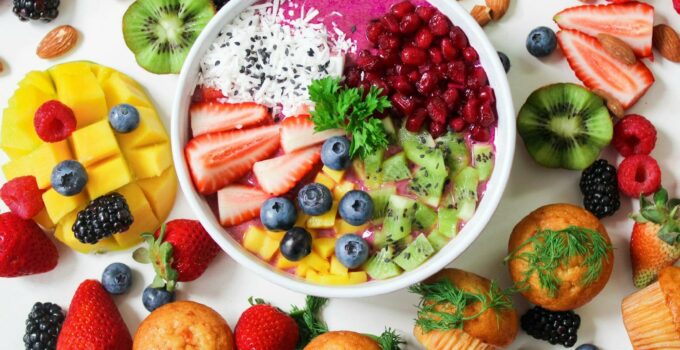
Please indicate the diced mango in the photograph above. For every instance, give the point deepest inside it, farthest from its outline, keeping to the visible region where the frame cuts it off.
(342, 228)
(324, 246)
(336, 175)
(18, 131)
(327, 220)
(150, 161)
(335, 280)
(144, 219)
(102, 73)
(302, 269)
(15, 140)
(316, 262)
(160, 192)
(325, 180)
(120, 90)
(358, 277)
(78, 88)
(276, 236)
(40, 80)
(107, 176)
(57, 205)
(284, 264)
(253, 239)
(64, 233)
(341, 189)
(301, 219)
(71, 68)
(94, 143)
(313, 276)
(337, 268)
(269, 248)
(149, 132)
(39, 163)
(43, 219)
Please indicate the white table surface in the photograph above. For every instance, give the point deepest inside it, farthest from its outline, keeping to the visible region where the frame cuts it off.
(226, 286)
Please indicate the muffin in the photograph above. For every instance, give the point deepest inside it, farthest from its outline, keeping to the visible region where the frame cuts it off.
(495, 325)
(560, 257)
(184, 325)
(342, 340)
(652, 315)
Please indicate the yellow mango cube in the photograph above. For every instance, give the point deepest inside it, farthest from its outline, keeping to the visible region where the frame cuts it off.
(39, 163)
(301, 219)
(336, 175)
(160, 192)
(144, 219)
(43, 219)
(342, 228)
(16, 139)
(102, 74)
(150, 161)
(79, 89)
(72, 68)
(149, 132)
(341, 189)
(40, 80)
(316, 262)
(327, 220)
(334, 280)
(324, 246)
(313, 276)
(94, 143)
(337, 268)
(120, 90)
(64, 233)
(253, 239)
(269, 248)
(284, 264)
(301, 270)
(108, 176)
(58, 206)
(358, 277)
(325, 180)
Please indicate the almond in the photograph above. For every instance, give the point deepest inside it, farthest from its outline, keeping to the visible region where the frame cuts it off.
(481, 14)
(666, 40)
(57, 42)
(498, 8)
(614, 106)
(617, 48)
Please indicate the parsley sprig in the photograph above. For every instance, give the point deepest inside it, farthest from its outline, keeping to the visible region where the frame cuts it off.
(337, 107)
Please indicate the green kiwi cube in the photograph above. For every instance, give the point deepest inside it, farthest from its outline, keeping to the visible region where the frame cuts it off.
(447, 222)
(396, 168)
(390, 130)
(381, 266)
(399, 218)
(438, 240)
(465, 193)
(424, 217)
(482, 154)
(415, 253)
(428, 184)
(373, 166)
(380, 199)
(455, 150)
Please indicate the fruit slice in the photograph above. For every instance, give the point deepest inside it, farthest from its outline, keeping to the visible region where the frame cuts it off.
(631, 22)
(207, 117)
(215, 160)
(428, 183)
(161, 32)
(564, 126)
(417, 146)
(597, 69)
(381, 266)
(78, 88)
(484, 162)
(447, 222)
(380, 199)
(373, 166)
(437, 240)
(455, 151)
(396, 168)
(424, 217)
(415, 254)
(465, 193)
(399, 218)
(239, 203)
(279, 175)
(298, 133)
(390, 130)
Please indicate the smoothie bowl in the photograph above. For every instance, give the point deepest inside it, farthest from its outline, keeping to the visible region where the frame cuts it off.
(343, 150)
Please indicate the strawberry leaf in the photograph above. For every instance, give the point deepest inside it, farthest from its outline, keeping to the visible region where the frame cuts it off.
(141, 255)
(661, 198)
(654, 215)
(670, 234)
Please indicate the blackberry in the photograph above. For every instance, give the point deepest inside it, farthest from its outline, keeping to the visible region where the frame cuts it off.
(102, 218)
(555, 327)
(600, 189)
(44, 10)
(43, 326)
(219, 3)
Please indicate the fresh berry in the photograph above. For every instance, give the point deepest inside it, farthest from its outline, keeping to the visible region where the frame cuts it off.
(356, 207)
(587, 347)
(124, 118)
(335, 153)
(213, 116)
(298, 133)
(103, 217)
(541, 42)
(278, 214)
(24, 248)
(43, 10)
(117, 278)
(296, 244)
(43, 326)
(676, 6)
(93, 321)
(401, 9)
(22, 196)
(555, 327)
(351, 250)
(599, 70)
(315, 199)
(634, 134)
(204, 93)
(153, 298)
(279, 175)
(239, 203)
(69, 178)
(54, 121)
(505, 61)
(264, 327)
(220, 158)
(639, 175)
(600, 189)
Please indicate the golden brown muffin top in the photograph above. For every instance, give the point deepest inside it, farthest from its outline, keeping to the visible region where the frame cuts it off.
(572, 287)
(669, 281)
(184, 325)
(342, 340)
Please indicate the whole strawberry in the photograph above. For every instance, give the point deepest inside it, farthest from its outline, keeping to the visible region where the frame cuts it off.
(93, 321)
(264, 327)
(655, 242)
(24, 247)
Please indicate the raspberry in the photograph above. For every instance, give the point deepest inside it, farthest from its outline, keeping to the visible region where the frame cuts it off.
(54, 121)
(639, 174)
(634, 134)
(22, 196)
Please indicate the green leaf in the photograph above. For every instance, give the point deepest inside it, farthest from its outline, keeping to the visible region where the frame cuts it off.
(389, 340)
(669, 234)
(141, 255)
(653, 215)
(661, 198)
(673, 203)
(158, 282)
(644, 202)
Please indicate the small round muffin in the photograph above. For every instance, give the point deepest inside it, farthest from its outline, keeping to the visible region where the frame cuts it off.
(492, 329)
(184, 325)
(575, 279)
(342, 340)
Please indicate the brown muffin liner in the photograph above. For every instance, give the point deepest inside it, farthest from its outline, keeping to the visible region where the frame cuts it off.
(648, 320)
(450, 340)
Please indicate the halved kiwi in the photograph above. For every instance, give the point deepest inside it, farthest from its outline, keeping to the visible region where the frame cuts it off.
(161, 32)
(564, 126)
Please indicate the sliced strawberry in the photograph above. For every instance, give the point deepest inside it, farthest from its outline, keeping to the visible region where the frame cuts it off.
(204, 94)
(207, 117)
(239, 203)
(598, 70)
(279, 175)
(676, 6)
(632, 22)
(217, 159)
(298, 133)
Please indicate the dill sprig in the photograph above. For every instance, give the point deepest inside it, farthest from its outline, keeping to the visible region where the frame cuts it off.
(442, 304)
(308, 320)
(552, 249)
(389, 339)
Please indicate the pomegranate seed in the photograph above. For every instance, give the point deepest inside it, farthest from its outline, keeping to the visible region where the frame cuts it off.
(456, 72)
(401, 84)
(401, 9)
(458, 37)
(436, 109)
(436, 129)
(389, 57)
(477, 78)
(413, 76)
(486, 114)
(439, 24)
(442, 69)
(353, 76)
(486, 94)
(428, 82)
(480, 133)
(415, 120)
(374, 30)
(469, 93)
(368, 62)
(413, 56)
(470, 54)
(457, 124)
(471, 110)
(425, 12)
(390, 22)
(410, 23)
(389, 41)
(451, 97)
(448, 49)
(406, 104)
(435, 54)
(382, 85)
(423, 38)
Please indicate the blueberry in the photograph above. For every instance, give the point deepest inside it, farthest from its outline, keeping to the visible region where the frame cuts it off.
(315, 199)
(124, 118)
(296, 244)
(587, 347)
(356, 207)
(335, 153)
(69, 178)
(351, 250)
(505, 60)
(278, 214)
(153, 298)
(541, 42)
(117, 278)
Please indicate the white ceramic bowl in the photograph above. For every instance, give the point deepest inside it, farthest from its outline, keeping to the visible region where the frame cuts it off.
(504, 141)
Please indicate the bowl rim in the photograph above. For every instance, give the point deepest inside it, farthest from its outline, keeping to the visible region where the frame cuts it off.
(505, 135)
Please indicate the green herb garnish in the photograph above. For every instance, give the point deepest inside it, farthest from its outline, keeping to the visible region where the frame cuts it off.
(338, 107)
(308, 320)
(552, 249)
(388, 340)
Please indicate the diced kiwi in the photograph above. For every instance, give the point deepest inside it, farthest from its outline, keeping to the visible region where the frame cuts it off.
(381, 266)
(447, 222)
(380, 199)
(399, 218)
(564, 126)
(424, 217)
(396, 168)
(359, 169)
(438, 240)
(455, 150)
(415, 254)
(161, 32)
(373, 166)
(390, 130)
(465, 193)
(482, 154)
(428, 184)
(419, 147)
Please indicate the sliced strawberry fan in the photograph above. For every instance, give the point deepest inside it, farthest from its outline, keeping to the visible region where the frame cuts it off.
(298, 133)
(239, 203)
(279, 175)
(213, 116)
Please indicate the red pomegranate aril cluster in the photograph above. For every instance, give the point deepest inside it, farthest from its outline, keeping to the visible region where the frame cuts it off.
(426, 66)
